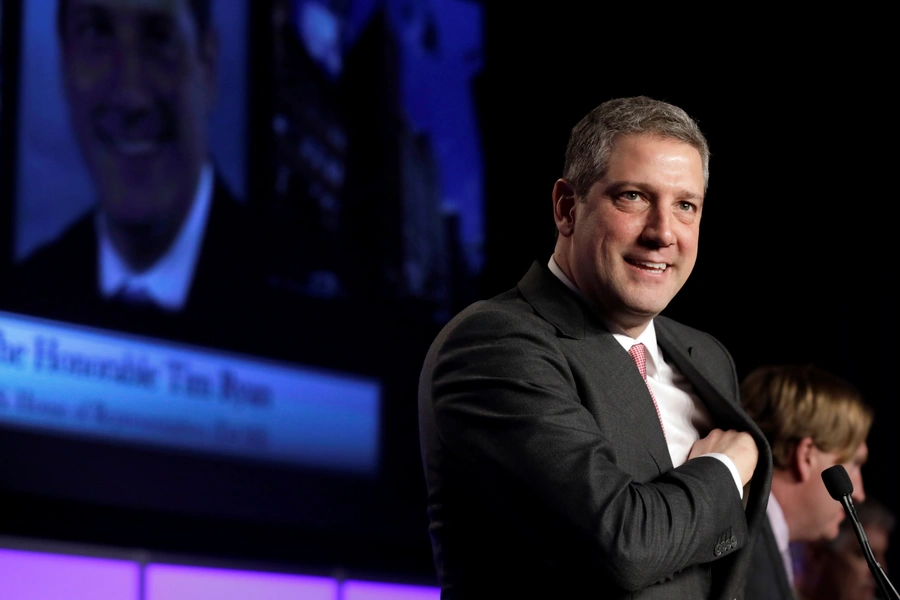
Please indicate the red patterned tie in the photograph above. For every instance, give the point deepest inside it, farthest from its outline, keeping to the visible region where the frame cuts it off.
(637, 355)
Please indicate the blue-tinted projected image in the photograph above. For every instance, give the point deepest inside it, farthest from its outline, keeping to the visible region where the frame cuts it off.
(232, 226)
(148, 203)
(131, 146)
(136, 185)
(376, 148)
(1, 54)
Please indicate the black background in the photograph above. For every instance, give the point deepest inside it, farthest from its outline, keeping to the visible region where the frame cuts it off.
(799, 226)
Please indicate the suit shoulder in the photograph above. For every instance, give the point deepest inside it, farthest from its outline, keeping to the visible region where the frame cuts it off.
(687, 335)
(494, 321)
(73, 248)
(504, 311)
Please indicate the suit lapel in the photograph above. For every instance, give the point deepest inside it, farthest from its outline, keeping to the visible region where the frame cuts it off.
(723, 405)
(616, 385)
(689, 360)
(619, 390)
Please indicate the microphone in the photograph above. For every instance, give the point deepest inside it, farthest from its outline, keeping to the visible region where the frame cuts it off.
(838, 484)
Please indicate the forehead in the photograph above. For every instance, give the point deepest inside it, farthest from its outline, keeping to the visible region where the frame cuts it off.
(162, 7)
(625, 142)
(856, 455)
(651, 155)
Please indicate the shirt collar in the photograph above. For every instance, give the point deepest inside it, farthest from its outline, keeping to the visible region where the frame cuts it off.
(554, 268)
(778, 522)
(647, 337)
(168, 280)
(781, 532)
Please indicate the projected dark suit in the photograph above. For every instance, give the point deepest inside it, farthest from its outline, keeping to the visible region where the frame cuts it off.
(768, 579)
(547, 471)
(61, 279)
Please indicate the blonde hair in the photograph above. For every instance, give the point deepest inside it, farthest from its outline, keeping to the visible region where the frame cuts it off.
(793, 402)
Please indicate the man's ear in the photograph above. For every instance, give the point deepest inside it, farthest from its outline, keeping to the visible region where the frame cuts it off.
(803, 460)
(564, 207)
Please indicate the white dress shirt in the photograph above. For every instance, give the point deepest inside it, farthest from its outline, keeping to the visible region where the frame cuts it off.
(684, 416)
(775, 514)
(167, 282)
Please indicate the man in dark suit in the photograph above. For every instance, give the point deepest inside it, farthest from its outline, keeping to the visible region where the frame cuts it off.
(575, 443)
(813, 420)
(140, 83)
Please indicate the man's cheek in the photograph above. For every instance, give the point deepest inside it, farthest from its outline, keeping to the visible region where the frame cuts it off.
(168, 80)
(85, 74)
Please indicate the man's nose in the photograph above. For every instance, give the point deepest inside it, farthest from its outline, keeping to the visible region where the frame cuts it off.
(131, 91)
(859, 493)
(658, 227)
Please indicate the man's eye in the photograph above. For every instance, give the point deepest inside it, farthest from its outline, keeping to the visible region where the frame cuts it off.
(158, 34)
(92, 27)
(686, 206)
(631, 195)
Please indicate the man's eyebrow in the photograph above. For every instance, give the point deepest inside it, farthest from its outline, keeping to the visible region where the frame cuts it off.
(689, 195)
(156, 18)
(145, 12)
(87, 9)
(625, 183)
(616, 186)
(682, 194)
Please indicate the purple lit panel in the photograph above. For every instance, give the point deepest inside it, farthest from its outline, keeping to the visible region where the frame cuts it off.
(171, 582)
(37, 575)
(368, 590)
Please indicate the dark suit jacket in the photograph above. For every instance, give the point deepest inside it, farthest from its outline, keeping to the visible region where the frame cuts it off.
(767, 579)
(548, 474)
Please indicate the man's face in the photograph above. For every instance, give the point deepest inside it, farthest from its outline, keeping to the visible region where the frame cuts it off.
(824, 514)
(634, 241)
(140, 83)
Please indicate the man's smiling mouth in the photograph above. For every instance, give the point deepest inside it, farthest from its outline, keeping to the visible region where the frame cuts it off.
(653, 267)
(133, 134)
(133, 147)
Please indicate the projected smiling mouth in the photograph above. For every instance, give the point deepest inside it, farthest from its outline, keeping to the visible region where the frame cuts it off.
(134, 134)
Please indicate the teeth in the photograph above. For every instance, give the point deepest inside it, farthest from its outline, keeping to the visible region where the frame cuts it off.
(652, 265)
(134, 148)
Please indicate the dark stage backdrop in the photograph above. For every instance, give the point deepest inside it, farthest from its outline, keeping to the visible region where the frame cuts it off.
(797, 240)
(796, 259)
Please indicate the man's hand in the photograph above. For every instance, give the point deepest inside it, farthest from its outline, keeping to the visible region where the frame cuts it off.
(736, 445)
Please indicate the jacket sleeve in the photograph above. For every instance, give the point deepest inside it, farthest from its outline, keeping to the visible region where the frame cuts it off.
(507, 408)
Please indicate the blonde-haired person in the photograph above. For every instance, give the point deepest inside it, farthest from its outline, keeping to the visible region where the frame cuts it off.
(837, 569)
(813, 420)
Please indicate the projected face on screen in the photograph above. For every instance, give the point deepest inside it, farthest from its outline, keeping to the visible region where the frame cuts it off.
(139, 77)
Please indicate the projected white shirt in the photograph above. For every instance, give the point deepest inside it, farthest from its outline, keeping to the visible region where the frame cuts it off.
(167, 282)
(780, 530)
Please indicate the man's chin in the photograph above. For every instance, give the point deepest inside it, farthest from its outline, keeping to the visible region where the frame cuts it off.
(135, 215)
(645, 307)
(833, 530)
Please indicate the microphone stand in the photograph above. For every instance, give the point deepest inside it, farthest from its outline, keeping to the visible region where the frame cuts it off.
(886, 589)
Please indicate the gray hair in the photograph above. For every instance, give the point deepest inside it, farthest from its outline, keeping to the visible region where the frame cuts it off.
(593, 138)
